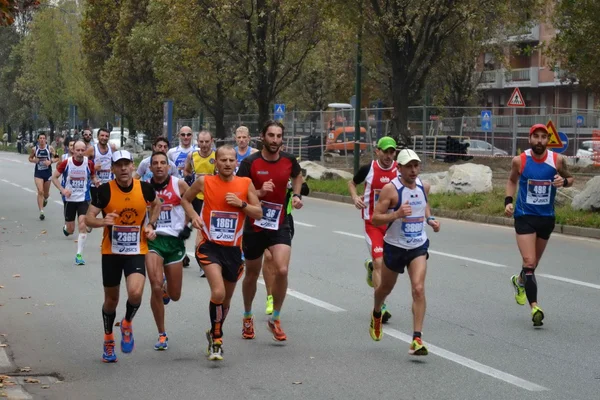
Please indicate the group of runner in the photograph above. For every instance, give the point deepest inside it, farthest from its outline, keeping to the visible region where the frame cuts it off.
(240, 201)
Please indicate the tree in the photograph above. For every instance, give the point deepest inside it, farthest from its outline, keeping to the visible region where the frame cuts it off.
(576, 47)
(10, 10)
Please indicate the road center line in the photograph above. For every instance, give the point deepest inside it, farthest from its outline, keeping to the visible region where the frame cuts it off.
(28, 190)
(466, 362)
(491, 264)
(568, 280)
(303, 224)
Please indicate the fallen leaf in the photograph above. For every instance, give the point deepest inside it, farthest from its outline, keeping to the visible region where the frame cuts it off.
(1, 287)
(118, 323)
(31, 380)
(25, 297)
(27, 313)
(49, 304)
(3, 334)
(3, 345)
(4, 378)
(25, 369)
(312, 358)
(44, 232)
(297, 383)
(16, 275)
(2, 218)
(2, 394)
(45, 387)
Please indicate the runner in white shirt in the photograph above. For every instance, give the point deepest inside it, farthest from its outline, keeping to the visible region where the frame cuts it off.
(161, 144)
(101, 153)
(179, 154)
(403, 207)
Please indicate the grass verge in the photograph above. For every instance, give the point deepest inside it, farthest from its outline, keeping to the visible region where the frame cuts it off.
(479, 203)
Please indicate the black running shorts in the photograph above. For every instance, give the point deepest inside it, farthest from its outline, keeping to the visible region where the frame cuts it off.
(397, 258)
(228, 257)
(541, 226)
(114, 266)
(255, 243)
(73, 209)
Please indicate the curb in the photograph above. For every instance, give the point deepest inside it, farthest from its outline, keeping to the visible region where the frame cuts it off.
(467, 216)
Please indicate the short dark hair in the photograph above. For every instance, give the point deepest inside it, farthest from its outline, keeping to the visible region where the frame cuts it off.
(160, 139)
(158, 153)
(103, 130)
(41, 134)
(270, 123)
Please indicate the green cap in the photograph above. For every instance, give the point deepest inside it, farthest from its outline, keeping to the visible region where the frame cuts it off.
(385, 143)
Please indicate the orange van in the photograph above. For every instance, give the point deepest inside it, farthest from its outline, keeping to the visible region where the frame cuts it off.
(342, 140)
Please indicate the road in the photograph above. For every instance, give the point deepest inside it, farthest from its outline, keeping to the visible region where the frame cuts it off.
(482, 345)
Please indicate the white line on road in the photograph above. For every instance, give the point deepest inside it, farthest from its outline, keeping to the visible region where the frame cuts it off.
(28, 190)
(303, 224)
(573, 281)
(60, 203)
(311, 300)
(466, 362)
(491, 264)
(350, 234)
(4, 360)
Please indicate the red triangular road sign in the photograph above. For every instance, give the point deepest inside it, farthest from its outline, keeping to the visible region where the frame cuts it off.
(553, 137)
(516, 99)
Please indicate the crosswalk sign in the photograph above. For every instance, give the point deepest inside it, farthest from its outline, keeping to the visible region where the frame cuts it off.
(516, 99)
(279, 111)
(553, 137)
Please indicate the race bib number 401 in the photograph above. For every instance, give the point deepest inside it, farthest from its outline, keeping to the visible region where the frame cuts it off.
(164, 220)
(223, 225)
(538, 192)
(126, 239)
(271, 214)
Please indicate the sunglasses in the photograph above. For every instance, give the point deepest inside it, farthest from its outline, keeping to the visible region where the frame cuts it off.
(185, 134)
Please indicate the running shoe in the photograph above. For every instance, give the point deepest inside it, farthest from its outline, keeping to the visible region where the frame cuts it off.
(275, 328)
(79, 260)
(45, 202)
(520, 295)
(417, 348)
(186, 261)
(537, 316)
(385, 314)
(109, 355)
(215, 348)
(269, 305)
(42, 216)
(376, 329)
(166, 298)
(248, 328)
(127, 342)
(65, 232)
(163, 342)
(369, 268)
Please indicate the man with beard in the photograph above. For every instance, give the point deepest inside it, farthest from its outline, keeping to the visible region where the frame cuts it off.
(228, 199)
(270, 169)
(87, 138)
(77, 175)
(375, 175)
(180, 153)
(403, 208)
(123, 203)
(101, 154)
(164, 260)
(538, 172)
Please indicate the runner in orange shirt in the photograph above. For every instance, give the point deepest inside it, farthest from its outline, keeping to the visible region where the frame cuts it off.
(228, 199)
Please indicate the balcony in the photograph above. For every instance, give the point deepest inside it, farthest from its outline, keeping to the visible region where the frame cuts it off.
(524, 34)
(501, 78)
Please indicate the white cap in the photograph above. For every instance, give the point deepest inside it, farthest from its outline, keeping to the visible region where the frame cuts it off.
(407, 155)
(122, 155)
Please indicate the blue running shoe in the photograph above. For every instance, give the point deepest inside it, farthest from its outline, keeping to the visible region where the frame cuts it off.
(127, 342)
(109, 355)
(79, 260)
(163, 342)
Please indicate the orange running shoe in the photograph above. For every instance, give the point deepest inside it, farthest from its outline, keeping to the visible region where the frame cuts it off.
(275, 327)
(248, 328)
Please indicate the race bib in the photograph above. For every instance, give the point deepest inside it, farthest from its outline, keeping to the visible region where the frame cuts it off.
(412, 227)
(41, 166)
(223, 225)
(164, 220)
(180, 163)
(538, 191)
(104, 175)
(126, 239)
(271, 213)
(77, 185)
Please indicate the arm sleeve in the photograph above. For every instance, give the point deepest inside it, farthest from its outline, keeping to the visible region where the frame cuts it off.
(103, 198)
(92, 169)
(173, 170)
(296, 170)
(361, 175)
(62, 166)
(244, 169)
(149, 192)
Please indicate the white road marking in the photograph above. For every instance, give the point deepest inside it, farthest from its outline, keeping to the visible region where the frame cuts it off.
(472, 364)
(476, 260)
(573, 281)
(14, 184)
(60, 203)
(4, 360)
(303, 224)
(4, 180)
(350, 234)
(28, 190)
(309, 299)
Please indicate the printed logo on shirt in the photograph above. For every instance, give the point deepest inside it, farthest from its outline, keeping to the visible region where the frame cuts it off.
(263, 172)
(128, 216)
(384, 179)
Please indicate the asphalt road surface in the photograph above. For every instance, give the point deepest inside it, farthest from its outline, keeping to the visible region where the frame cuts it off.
(482, 344)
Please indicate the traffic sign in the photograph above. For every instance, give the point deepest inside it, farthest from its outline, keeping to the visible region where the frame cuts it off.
(279, 111)
(516, 99)
(486, 120)
(580, 120)
(554, 140)
(565, 141)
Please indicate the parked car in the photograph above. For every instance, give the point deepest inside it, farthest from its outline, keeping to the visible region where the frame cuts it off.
(585, 153)
(481, 147)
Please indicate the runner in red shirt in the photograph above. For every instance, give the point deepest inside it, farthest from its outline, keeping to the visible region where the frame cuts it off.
(270, 169)
(375, 176)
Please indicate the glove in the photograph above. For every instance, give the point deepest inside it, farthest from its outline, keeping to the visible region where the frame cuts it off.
(185, 233)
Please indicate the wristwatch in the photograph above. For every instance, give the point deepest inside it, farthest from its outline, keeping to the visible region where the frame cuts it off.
(244, 204)
(153, 225)
(297, 195)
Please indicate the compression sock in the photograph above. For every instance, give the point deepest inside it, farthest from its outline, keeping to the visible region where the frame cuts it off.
(81, 243)
(130, 311)
(216, 319)
(109, 321)
(528, 276)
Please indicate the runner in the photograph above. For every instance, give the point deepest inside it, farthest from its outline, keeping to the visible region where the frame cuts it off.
(538, 172)
(101, 153)
(268, 267)
(404, 208)
(270, 169)
(179, 154)
(77, 174)
(87, 138)
(375, 175)
(228, 198)
(164, 260)
(197, 164)
(144, 172)
(123, 203)
(42, 156)
(242, 150)
(69, 152)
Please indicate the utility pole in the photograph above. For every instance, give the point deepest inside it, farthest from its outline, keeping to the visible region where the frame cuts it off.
(358, 88)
